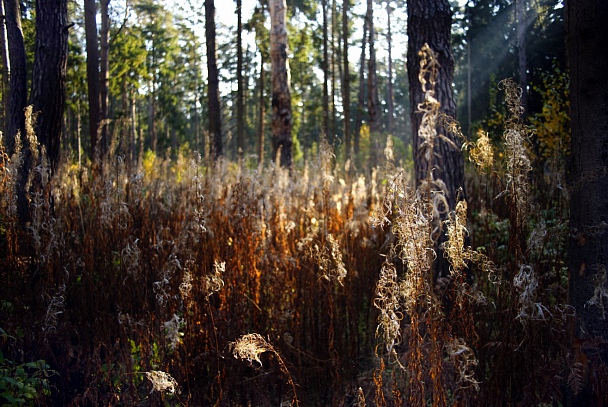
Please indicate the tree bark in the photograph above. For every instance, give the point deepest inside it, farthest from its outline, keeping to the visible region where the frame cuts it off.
(430, 22)
(213, 101)
(240, 127)
(94, 96)
(49, 74)
(390, 100)
(521, 50)
(17, 100)
(346, 80)
(6, 65)
(373, 103)
(361, 94)
(325, 66)
(104, 68)
(281, 96)
(586, 33)
(262, 111)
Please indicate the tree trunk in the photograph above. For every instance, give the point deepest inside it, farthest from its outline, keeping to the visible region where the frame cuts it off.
(332, 71)
(373, 104)
(104, 69)
(346, 80)
(325, 66)
(390, 100)
(521, 50)
(262, 112)
(586, 33)
(214, 109)
(133, 132)
(361, 93)
(92, 46)
(240, 126)
(152, 118)
(281, 97)
(17, 99)
(431, 22)
(6, 65)
(49, 74)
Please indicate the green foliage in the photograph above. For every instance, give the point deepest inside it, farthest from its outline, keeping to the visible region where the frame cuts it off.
(552, 123)
(22, 384)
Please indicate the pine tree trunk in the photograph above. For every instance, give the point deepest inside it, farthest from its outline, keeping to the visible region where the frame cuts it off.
(586, 33)
(346, 80)
(214, 109)
(6, 65)
(325, 64)
(390, 100)
(281, 96)
(521, 50)
(262, 111)
(361, 93)
(104, 68)
(373, 102)
(94, 95)
(240, 127)
(17, 99)
(133, 131)
(49, 74)
(430, 22)
(332, 71)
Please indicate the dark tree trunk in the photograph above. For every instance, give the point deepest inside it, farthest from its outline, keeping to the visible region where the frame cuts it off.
(325, 109)
(240, 127)
(18, 81)
(520, 7)
(390, 100)
(214, 109)
(430, 22)
(49, 74)
(6, 65)
(281, 96)
(346, 79)
(334, 54)
(104, 68)
(361, 94)
(262, 111)
(373, 103)
(587, 31)
(133, 131)
(92, 46)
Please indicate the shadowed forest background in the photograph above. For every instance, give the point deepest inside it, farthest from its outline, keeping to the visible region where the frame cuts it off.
(307, 203)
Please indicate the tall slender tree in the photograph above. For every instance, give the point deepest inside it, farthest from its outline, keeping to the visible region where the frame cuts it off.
(281, 96)
(430, 22)
(93, 84)
(359, 112)
(588, 183)
(240, 124)
(520, 10)
(325, 67)
(104, 71)
(346, 79)
(6, 64)
(49, 74)
(18, 81)
(213, 100)
(390, 99)
(373, 101)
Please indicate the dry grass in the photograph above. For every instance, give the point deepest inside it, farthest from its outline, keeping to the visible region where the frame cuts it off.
(163, 270)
